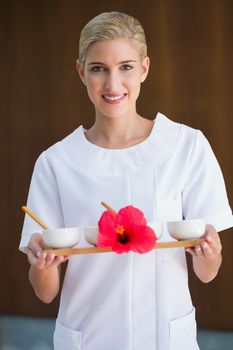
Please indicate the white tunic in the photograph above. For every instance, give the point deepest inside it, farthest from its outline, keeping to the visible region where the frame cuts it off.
(128, 301)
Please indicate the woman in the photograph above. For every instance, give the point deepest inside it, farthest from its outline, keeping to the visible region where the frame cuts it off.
(166, 169)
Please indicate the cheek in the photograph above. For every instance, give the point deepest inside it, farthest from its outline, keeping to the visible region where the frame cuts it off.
(137, 91)
(93, 84)
(91, 95)
(94, 88)
(91, 88)
(134, 85)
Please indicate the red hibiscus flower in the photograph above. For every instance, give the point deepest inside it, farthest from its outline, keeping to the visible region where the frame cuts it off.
(125, 231)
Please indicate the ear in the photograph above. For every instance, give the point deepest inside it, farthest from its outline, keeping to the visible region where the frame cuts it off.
(80, 70)
(145, 68)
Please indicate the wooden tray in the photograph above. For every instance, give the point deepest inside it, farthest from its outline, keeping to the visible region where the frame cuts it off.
(94, 250)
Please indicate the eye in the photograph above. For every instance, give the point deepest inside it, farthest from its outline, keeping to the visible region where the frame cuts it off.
(126, 67)
(97, 69)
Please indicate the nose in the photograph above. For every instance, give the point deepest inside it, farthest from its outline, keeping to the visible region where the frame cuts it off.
(112, 81)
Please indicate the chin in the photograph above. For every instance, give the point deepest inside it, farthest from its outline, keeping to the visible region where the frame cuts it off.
(114, 113)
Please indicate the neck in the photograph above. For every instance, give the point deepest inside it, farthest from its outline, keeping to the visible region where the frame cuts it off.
(119, 132)
(120, 128)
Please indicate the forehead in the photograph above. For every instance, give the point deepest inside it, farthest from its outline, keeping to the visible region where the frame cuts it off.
(116, 50)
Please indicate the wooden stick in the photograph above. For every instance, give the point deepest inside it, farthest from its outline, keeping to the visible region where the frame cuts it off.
(94, 250)
(180, 244)
(34, 217)
(72, 251)
(108, 207)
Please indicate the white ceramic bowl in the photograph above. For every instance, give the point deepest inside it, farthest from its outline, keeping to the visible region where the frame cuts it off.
(91, 232)
(61, 237)
(186, 229)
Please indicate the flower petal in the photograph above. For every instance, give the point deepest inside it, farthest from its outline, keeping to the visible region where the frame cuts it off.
(129, 216)
(144, 240)
(107, 229)
(103, 241)
(120, 248)
(107, 223)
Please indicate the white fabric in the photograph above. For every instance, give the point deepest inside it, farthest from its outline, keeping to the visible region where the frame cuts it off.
(129, 301)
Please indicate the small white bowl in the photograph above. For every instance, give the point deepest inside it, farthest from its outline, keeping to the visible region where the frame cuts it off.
(91, 232)
(61, 237)
(186, 229)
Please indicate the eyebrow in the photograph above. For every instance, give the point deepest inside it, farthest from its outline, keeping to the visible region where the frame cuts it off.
(122, 62)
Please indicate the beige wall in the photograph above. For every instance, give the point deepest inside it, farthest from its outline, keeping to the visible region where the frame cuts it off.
(42, 100)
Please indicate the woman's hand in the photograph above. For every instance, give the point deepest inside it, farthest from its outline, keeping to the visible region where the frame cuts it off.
(38, 258)
(210, 248)
(207, 256)
(44, 273)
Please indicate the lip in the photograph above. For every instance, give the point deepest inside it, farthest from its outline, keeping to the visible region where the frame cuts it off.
(113, 98)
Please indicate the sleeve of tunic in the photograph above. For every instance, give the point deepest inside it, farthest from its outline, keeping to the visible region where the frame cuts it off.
(204, 193)
(43, 200)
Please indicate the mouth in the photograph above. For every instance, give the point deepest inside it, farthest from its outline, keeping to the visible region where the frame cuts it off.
(113, 99)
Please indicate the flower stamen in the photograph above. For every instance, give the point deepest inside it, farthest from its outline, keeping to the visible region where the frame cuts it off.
(122, 235)
(120, 229)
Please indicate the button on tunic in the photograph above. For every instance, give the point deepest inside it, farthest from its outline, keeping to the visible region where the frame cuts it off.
(128, 301)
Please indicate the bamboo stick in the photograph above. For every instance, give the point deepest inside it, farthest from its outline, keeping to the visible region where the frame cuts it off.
(34, 217)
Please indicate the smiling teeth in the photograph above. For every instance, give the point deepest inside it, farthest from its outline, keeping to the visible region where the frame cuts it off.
(114, 98)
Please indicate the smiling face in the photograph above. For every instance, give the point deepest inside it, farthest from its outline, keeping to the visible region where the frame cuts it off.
(113, 72)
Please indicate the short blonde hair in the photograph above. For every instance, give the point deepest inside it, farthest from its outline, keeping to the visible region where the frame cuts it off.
(112, 25)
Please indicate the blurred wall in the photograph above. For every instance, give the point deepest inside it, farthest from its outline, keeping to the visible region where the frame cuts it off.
(42, 100)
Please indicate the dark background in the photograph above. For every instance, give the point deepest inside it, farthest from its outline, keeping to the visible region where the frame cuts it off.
(42, 100)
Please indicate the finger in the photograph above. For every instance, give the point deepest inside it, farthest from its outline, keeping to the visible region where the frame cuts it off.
(214, 243)
(35, 246)
(207, 250)
(49, 259)
(52, 260)
(210, 241)
(31, 258)
(212, 237)
(198, 250)
(37, 261)
(59, 260)
(41, 263)
(211, 233)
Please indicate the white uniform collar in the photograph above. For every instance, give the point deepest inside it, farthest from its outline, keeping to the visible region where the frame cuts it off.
(152, 151)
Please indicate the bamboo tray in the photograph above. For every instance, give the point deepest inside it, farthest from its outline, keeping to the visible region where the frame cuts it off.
(94, 250)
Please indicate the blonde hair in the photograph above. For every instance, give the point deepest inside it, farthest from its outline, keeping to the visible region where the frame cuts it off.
(112, 25)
